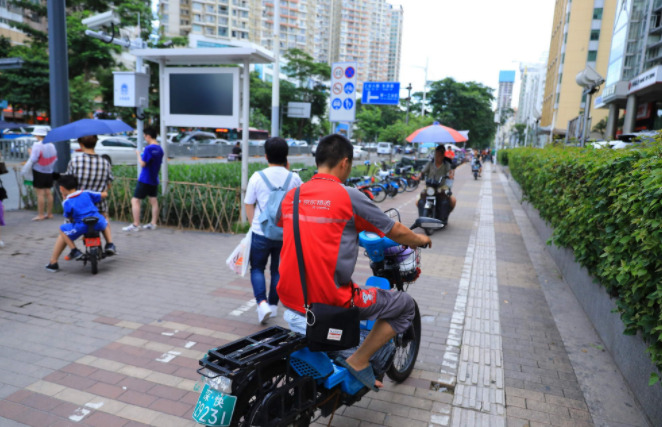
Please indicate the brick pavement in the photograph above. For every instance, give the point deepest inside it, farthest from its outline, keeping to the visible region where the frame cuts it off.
(121, 348)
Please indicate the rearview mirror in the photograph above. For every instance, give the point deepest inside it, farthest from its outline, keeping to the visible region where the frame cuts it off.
(428, 223)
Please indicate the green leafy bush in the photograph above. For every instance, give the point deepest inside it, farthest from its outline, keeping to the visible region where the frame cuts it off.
(502, 157)
(605, 205)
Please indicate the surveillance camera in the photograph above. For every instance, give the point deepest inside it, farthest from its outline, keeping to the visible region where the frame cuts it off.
(101, 20)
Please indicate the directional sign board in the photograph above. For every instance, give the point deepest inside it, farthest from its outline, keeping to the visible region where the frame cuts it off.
(383, 93)
(343, 92)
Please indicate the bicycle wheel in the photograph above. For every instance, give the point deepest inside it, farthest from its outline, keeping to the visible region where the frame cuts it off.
(94, 260)
(406, 350)
(412, 184)
(402, 185)
(378, 193)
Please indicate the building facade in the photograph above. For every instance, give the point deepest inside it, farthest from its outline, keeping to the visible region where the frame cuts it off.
(581, 36)
(505, 92)
(10, 13)
(633, 86)
(529, 107)
(368, 32)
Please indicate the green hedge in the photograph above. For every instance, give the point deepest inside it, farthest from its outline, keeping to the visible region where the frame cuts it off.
(605, 205)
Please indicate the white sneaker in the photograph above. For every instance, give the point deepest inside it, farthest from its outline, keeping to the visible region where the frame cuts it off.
(149, 226)
(263, 312)
(274, 311)
(131, 227)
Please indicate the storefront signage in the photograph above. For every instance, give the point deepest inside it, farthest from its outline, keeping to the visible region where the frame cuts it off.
(646, 79)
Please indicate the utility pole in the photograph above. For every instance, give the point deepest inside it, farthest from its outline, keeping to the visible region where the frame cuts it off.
(275, 81)
(425, 87)
(58, 63)
(408, 100)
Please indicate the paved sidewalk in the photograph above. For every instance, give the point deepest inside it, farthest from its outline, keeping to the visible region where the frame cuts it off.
(121, 348)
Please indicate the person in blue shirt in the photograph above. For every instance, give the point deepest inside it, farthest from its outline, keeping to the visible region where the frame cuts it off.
(148, 182)
(77, 205)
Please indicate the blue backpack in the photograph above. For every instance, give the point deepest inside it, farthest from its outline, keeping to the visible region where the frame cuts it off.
(269, 213)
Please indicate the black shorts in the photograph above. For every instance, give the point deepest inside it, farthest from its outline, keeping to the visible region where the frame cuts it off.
(145, 190)
(42, 180)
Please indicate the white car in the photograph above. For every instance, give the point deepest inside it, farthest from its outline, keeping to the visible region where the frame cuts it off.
(384, 148)
(116, 149)
(360, 153)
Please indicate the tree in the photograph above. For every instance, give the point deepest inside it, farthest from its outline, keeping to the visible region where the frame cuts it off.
(399, 131)
(519, 131)
(369, 123)
(464, 106)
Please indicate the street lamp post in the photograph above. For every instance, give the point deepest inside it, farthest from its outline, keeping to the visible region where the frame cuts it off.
(408, 100)
(590, 80)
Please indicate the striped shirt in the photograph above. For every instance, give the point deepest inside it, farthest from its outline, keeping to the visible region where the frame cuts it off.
(94, 173)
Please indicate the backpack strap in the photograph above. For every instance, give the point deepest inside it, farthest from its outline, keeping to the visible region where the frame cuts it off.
(286, 184)
(266, 181)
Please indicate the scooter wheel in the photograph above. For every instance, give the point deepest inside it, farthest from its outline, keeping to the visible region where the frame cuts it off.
(406, 350)
(94, 260)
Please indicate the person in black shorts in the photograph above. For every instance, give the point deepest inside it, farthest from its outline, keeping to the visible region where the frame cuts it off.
(148, 182)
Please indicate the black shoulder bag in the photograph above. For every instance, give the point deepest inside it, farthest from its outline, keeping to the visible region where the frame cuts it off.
(3, 192)
(328, 327)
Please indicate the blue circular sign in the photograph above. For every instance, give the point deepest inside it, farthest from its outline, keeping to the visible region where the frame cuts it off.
(348, 104)
(336, 104)
(349, 88)
(349, 72)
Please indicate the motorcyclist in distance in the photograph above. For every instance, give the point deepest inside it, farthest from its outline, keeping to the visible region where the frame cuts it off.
(438, 169)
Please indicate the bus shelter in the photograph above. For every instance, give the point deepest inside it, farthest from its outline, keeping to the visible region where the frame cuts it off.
(243, 56)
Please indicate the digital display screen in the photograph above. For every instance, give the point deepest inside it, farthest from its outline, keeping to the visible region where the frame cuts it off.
(201, 94)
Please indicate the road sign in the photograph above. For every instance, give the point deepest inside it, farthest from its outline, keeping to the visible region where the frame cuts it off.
(383, 93)
(343, 92)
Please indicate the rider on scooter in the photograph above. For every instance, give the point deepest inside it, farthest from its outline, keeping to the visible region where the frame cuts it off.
(332, 216)
(438, 169)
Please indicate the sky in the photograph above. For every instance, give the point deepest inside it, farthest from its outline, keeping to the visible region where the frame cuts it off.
(471, 40)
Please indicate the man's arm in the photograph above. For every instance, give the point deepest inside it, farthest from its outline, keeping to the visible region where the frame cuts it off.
(250, 211)
(403, 235)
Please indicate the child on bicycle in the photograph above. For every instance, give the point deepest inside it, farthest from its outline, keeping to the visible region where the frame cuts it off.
(77, 205)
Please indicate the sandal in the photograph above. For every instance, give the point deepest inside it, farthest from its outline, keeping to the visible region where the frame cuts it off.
(365, 376)
(38, 218)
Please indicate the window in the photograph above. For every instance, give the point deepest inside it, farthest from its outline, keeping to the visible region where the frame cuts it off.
(592, 55)
(595, 34)
(597, 13)
(222, 31)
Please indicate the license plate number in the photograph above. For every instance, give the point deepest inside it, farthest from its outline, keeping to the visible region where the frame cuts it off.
(94, 241)
(214, 408)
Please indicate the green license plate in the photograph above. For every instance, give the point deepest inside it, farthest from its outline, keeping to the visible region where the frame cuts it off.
(214, 408)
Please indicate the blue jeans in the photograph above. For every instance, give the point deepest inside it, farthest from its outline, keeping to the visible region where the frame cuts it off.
(261, 249)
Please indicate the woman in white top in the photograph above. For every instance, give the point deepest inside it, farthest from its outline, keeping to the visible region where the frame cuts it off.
(42, 159)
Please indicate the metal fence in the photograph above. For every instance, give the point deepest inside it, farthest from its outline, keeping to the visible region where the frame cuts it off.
(222, 150)
(16, 149)
(186, 205)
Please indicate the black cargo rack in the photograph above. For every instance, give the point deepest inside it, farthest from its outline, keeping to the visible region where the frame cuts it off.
(269, 344)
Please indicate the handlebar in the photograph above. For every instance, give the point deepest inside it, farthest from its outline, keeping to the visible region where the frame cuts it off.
(297, 170)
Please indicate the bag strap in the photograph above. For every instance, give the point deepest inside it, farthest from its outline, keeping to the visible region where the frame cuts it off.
(266, 181)
(297, 244)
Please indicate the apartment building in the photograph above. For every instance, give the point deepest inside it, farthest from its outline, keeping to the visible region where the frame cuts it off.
(529, 107)
(10, 13)
(505, 92)
(633, 86)
(581, 36)
(368, 32)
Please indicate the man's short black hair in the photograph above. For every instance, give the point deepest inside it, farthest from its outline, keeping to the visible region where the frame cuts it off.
(89, 141)
(151, 132)
(276, 150)
(440, 147)
(332, 149)
(70, 182)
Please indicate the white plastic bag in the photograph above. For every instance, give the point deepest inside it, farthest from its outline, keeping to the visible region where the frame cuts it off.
(238, 261)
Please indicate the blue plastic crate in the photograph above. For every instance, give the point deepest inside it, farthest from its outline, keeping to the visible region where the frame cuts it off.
(351, 385)
(339, 374)
(315, 364)
(374, 282)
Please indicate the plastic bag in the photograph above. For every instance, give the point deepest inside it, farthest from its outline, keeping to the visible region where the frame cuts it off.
(238, 260)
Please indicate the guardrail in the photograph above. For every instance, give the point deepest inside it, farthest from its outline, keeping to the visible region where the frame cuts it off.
(222, 150)
(16, 149)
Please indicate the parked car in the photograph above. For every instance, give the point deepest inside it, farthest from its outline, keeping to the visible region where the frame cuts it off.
(193, 137)
(371, 147)
(313, 148)
(409, 149)
(360, 154)
(117, 150)
(384, 148)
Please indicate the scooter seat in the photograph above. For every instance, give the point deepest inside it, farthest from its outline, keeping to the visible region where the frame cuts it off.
(90, 221)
